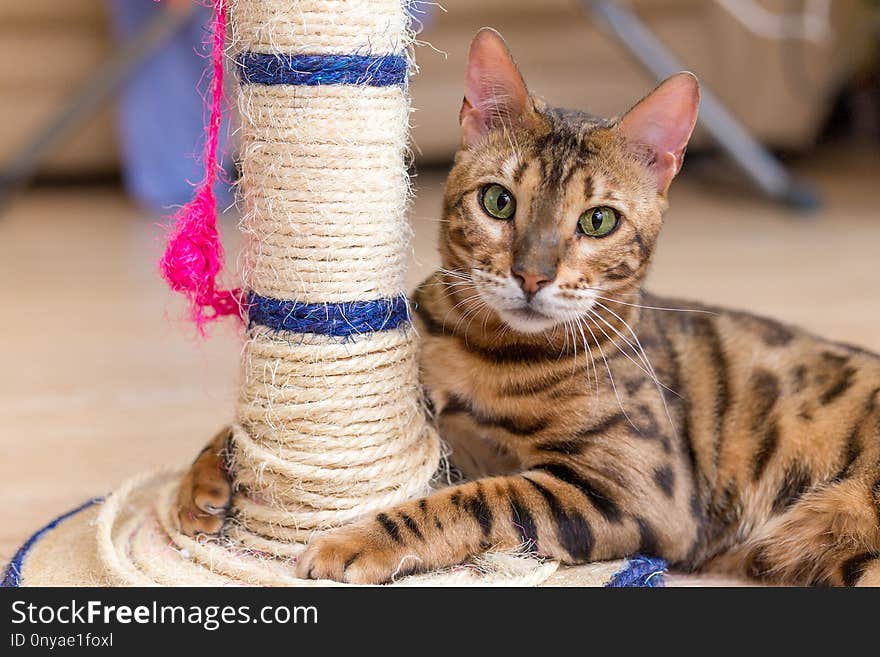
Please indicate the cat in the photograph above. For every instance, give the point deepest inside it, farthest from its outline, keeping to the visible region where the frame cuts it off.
(593, 419)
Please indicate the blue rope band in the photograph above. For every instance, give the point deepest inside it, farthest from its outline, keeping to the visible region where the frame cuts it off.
(12, 575)
(639, 571)
(313, 70)
(339, 320)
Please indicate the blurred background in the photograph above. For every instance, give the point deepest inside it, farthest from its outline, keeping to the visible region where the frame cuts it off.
(101, 122)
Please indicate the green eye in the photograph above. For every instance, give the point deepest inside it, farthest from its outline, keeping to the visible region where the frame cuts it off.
(497, 202)
(598, 222)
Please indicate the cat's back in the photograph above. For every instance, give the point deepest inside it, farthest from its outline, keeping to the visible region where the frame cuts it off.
(760, 394)
(740, 341)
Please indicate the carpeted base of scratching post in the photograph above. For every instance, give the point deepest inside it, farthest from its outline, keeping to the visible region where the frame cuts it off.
(93, 545)
(71, 551)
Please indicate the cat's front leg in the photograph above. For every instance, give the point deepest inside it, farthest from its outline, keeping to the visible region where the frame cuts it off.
(553, 512)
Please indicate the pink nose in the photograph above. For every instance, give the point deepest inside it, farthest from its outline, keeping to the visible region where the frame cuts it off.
(531, 282)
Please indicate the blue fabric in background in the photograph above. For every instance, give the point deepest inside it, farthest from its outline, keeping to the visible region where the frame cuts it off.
(160, 118)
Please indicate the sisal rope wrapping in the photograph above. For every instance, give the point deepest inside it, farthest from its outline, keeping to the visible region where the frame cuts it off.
(325, 189)
(328, 429)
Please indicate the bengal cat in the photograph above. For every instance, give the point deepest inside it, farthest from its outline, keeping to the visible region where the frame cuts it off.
(594, 421)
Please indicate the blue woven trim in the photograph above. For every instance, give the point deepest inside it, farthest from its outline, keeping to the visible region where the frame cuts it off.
(639, 571)
(313, 70)
(339, 320)
(12, 575)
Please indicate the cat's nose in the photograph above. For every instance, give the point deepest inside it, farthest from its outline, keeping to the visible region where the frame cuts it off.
(531, 282)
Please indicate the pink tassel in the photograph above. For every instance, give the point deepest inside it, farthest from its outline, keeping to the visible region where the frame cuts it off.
(194, 255)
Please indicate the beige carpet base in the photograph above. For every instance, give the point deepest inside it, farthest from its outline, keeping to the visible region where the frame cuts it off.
(123, 541)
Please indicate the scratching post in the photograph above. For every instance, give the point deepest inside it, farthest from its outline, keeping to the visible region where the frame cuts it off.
(329, 423)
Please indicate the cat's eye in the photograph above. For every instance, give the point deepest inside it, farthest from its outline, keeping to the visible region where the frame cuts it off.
(497, 201)
(599, 221)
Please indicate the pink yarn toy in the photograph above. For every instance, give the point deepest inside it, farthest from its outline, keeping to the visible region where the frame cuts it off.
(194, 255)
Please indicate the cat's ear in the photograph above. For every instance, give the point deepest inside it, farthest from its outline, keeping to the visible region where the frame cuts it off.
(663, 122)
(494, 91)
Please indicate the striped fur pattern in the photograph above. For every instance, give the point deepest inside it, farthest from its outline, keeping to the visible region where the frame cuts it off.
(593, 420)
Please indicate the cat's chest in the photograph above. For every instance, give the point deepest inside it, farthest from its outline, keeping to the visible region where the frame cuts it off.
(512, 400)
(452, 371)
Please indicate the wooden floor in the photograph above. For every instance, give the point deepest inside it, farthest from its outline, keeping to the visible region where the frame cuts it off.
(101, 378)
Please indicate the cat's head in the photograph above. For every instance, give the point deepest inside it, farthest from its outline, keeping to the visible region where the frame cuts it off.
(547, 211)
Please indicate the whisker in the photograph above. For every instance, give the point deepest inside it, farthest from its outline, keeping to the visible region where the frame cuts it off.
(592, 360)
(480, 305)
(463, 301)
(638, 305)
(455, 284)
(641, 368)
(455, 273)
(644, 355)
(461, 280)
(473, 297)
(485, 320)
(481, 308)
(550, 334)
(651, 367)
(610, 377)
(451, 287)
(462, 318)
(468, 298)
(639, 352)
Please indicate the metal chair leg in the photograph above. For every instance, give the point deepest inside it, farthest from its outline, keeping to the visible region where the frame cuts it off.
(96, 90)
(765, 170)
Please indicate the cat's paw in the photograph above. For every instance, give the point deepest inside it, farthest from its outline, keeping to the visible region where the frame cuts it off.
(205, 493)
(355, 555)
